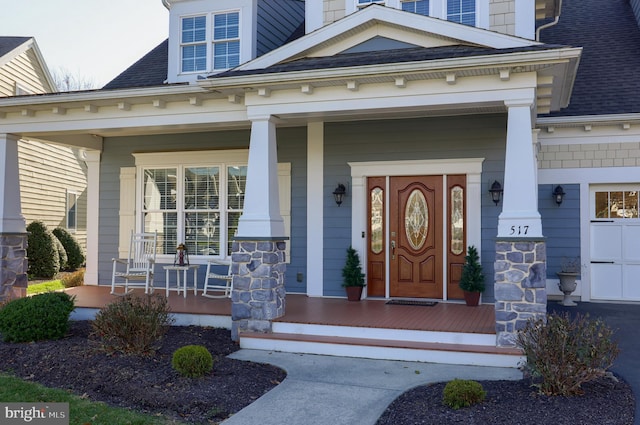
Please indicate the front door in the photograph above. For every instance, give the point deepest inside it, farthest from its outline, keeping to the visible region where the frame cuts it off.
(407, 240)
(415, 236)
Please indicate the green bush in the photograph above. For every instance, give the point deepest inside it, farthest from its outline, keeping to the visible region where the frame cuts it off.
(132, 324)
(44, 260)
(562, 353)
(42, 316)
(62, 254)
(192, 361)
(74, 251)
(74, 279)
(462, 393)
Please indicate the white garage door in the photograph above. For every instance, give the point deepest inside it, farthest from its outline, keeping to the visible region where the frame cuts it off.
(615, 243)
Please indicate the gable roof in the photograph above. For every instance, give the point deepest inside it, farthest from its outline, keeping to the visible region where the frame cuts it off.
(607, 80)
(150, 70)
(381, 21)
(7, 44)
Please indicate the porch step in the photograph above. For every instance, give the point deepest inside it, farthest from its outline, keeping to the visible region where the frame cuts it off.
(386, 349)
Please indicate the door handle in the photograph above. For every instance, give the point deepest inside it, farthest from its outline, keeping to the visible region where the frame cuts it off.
(393, 250)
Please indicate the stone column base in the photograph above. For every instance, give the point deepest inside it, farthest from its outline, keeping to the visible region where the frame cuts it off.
(258, 297)
(520, 286)
(13, 247)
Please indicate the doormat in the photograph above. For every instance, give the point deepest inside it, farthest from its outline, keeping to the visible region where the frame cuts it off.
(412, 302)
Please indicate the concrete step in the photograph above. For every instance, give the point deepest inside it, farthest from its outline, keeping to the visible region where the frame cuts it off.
(387, 349)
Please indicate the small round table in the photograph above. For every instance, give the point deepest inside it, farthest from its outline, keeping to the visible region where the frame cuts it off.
(184, 269)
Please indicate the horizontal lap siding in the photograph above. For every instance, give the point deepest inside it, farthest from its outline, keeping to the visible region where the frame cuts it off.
(416, 139)
(118, 153)
(46, 173)
(560, 225)
(25, 70)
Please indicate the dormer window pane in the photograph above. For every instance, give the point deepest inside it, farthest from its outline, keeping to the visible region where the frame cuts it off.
(462, 11)
(420, 7)
(226, 26)
(194, 29)
(194, 58)
(226, 36)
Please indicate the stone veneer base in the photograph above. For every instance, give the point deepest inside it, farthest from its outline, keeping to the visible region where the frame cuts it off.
(258, 296)
(13, 249)
(520, 286)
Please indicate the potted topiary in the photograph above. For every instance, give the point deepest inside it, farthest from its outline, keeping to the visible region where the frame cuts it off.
(352, 276)
(472, 279)
(568, 274)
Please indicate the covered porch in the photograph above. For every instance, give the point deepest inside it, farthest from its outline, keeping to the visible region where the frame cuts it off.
(443, 333)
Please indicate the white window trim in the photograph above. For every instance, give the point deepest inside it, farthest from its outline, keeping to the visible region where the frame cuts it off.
(226, 40)
(209, 41)
(181, 160)
(194, 158)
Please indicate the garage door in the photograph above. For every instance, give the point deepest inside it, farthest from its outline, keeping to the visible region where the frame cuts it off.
(615, 243)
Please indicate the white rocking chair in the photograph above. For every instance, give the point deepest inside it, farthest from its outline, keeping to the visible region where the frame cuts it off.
(218, 282)
(138, 267)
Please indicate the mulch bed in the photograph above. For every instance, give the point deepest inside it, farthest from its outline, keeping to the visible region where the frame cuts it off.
(148, 385)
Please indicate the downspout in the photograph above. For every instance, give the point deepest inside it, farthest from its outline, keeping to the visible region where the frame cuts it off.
(166, 4)
(550, 24)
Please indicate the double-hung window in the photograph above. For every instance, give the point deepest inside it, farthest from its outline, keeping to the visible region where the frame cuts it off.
(226, 40)
(210, 42)
(462, 11)
(194, 43)
(420, 7)
(198, 204)
(72, 211)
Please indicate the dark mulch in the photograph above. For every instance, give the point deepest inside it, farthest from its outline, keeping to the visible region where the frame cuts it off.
(609, 401)
(148, 385)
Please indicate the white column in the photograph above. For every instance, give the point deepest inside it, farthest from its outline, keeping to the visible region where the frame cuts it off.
(92, 159)
(525, 15)
(315, 208)
(314, 15)
(520, 217)
(11, 219)
(261, 216)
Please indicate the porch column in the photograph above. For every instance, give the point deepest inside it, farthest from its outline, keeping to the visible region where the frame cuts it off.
(258, 253)
(13, 231)
(92, 159)
(520, 263)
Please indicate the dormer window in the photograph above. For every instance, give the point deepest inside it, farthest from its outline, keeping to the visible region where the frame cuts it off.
(368, 2)
(420, 7)
(226, 40)
(462, 11)
(210, 42)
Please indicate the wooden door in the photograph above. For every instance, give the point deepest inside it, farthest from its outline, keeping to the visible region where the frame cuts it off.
(415, 237)
(376, 240)
(456, 236)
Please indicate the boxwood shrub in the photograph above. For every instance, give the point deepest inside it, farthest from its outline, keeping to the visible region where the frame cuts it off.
(40, 317)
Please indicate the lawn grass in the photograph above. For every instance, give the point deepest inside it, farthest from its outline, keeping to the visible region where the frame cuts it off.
(53, 285)
(81, 411)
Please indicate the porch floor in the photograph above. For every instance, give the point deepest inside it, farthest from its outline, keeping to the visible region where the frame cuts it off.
(301, 309)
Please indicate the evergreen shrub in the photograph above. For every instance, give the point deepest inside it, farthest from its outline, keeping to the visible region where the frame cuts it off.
(42, 254)
(192, 361)
(75, 254)
(462, 393)
(40, 317)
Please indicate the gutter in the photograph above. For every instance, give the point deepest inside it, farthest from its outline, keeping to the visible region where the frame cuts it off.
(550, 24)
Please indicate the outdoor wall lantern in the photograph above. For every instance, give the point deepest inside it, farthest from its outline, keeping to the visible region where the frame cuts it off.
(182, 256)
(496, 192)
(339, 193)
(558, 194)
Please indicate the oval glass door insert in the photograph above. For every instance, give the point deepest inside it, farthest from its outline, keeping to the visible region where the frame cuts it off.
(416, 219)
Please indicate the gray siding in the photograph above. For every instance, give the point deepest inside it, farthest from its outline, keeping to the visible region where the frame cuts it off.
(118, 153)
(434, 138)
(277, 21)
(560, 225)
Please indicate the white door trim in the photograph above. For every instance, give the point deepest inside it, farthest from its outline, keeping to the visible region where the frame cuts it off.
(472, 167)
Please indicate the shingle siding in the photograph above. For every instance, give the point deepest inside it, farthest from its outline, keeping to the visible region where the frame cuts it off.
(277, 20)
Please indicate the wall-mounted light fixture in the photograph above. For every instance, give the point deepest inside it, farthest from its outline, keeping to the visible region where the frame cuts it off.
(339, 193)
(496, 192)
(558, 194)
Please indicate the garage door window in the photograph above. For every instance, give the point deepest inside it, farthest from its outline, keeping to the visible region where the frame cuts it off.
(616, 204)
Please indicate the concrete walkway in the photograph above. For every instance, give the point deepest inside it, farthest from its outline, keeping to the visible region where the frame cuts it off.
(322, 390)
